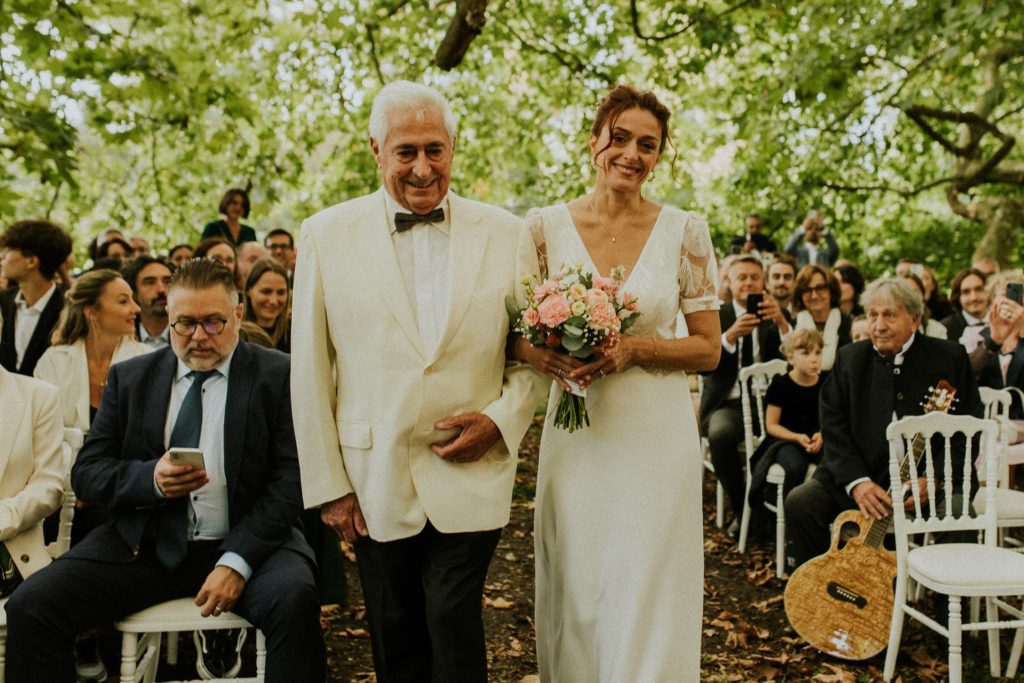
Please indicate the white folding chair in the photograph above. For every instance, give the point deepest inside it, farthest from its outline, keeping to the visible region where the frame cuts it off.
(754, 381)
(142, 635)
(953, 569)
(705, 449)
(72, 444)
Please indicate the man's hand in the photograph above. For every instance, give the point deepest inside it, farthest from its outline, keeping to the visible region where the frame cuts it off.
(770, 310)
(177, 480)
(220, 591)
(743, 326)
(872, 500)
(346, 518)
(478, 433)
(922, 485)
(816, 443)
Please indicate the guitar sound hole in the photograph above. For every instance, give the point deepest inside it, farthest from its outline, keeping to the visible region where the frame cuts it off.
(847, 531)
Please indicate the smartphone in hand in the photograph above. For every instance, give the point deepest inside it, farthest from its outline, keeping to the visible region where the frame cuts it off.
(754, 304)
(1015, 292)
(187, 456)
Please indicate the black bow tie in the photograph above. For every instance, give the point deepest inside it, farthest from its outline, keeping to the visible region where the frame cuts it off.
(404, 221)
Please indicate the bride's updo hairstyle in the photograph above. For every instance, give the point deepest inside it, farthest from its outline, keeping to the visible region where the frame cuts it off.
(622, 98)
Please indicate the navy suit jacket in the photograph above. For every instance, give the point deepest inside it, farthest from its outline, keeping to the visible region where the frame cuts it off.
(115, 466)
(40, 340)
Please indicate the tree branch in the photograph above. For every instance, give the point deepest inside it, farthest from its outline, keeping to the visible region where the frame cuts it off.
(977, 175)
(693, 19)
(468, 22)
(903, 192)
(567, 59)
(53, 200)
(373, 53)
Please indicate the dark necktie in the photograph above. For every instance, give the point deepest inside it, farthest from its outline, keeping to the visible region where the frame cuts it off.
(172, 541)
(404, 221)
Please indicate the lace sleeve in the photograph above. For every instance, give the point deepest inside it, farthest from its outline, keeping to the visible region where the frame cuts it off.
(698, 268)
(531, 261)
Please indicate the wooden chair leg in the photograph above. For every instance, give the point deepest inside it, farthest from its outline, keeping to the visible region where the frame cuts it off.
(780, 532)
(895, 628)
(956, 654)
(1018, 645)
(129, 656)
(992, 615)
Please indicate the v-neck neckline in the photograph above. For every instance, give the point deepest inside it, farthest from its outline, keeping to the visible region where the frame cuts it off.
(590, 259)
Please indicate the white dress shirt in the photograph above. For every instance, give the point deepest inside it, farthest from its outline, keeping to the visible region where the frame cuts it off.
(157, 341)
(737, 348)
(27, 319)
(424, 259)
(208, 506)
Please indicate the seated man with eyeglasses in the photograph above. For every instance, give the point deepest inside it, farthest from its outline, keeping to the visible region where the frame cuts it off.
(225, 533)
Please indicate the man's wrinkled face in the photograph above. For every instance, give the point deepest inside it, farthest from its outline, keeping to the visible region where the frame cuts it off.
(890, 326)
(415, 160)
(203, 350)
(745, 278)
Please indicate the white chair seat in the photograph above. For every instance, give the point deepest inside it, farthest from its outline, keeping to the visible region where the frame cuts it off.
(1009, 503)
(952, 568)
(177, 615)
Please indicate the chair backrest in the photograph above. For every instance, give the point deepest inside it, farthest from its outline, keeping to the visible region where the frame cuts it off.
(962, 439)
(997, 403)
(754, 381)
(73, 440)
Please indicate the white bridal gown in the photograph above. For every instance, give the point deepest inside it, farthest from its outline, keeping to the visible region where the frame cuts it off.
(618, 524)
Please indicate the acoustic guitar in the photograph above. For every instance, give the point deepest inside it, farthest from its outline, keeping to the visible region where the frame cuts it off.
(841, 602)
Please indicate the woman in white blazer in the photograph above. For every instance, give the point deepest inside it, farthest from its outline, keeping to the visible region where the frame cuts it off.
(95, 331)
(31, 466)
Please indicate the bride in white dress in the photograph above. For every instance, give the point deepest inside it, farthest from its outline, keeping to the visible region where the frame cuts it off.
(619, 546)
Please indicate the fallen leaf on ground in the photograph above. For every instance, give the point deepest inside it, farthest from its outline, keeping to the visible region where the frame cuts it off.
(498, 603)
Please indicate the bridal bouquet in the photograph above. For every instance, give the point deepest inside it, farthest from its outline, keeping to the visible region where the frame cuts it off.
(574, 312)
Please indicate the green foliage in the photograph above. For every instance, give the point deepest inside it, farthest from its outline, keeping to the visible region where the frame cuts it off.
(140, 114)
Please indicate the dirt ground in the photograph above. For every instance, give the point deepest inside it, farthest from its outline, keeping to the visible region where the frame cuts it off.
(746, 635)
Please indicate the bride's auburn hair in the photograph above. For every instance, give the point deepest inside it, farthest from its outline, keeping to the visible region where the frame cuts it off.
(624, 97)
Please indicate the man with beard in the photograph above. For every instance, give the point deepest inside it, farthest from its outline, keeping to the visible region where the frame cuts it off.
(781, 281)
(226, 533)
(149, 277)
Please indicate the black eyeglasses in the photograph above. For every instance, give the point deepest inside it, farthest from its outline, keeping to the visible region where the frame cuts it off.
(819, 289)
(211, 326)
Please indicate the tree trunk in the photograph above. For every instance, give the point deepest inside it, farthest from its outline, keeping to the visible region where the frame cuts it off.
(1002, 218)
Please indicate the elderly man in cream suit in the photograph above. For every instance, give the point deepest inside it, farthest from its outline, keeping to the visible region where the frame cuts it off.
(408, 416)
(31, 466)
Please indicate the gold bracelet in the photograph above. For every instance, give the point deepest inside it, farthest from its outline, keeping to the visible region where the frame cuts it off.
(654, 349)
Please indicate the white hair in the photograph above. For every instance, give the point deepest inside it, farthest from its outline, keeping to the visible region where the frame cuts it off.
(405, 95)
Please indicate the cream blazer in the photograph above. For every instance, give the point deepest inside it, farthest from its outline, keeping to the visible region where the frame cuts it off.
(31, 466)
(66, 367)
(365, 393)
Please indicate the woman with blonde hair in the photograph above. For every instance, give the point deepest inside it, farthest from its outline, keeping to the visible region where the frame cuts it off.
(96, 330)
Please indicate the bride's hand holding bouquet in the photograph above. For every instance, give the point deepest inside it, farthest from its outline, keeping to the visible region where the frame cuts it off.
(571, 329)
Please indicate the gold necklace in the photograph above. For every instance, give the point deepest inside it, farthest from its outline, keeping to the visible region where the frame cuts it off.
(614, 237)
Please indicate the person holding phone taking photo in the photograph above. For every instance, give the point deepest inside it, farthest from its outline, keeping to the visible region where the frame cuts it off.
(753, 327)
(998, 361)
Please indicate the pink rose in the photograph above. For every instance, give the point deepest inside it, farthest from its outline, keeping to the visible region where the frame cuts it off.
(531, 317)
(545, 289)
(605, 284)
(603, 317)
(553, 311)
(596, 296)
